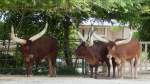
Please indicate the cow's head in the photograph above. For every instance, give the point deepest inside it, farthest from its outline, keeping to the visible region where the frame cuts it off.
(86, 42)
(27, 43)
(111, 46)
(81, 50)
(86, 52)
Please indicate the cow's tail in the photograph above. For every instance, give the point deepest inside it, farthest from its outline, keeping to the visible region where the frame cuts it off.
(136, 64)
(137, 58)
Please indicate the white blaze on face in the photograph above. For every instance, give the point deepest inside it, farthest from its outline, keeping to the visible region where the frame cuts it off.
(112, 53)
(109, 56)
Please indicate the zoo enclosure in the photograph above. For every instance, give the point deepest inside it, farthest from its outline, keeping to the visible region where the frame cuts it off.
(13, 64)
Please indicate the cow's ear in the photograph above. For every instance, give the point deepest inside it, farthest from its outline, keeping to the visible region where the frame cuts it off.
(113, 48)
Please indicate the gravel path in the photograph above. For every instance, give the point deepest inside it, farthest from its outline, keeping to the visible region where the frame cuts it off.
(68, 80)
(143, 78)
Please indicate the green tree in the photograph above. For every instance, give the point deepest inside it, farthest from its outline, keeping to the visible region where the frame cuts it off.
(62, 14)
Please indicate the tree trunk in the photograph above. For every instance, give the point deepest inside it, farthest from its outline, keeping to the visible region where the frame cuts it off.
(66, 47)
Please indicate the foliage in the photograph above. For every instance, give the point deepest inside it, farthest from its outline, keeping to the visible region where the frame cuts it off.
(144, 32)
(136, 35)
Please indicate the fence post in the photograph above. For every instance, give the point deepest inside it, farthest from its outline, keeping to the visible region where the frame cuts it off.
(83, 66)
(146, 61)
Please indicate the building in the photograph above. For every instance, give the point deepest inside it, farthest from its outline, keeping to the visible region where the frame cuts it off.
(111, 32)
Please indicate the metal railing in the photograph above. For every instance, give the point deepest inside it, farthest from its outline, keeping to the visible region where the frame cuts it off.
(144, 61)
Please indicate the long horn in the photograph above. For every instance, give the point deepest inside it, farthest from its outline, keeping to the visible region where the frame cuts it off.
(16, 39)
(91, 36)
(37, 36)
(81, 36)
(100, 38)
(126, 40)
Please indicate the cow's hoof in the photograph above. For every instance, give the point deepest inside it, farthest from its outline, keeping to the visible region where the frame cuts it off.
(29, 75)
(113, 76)
(52, 75)
(95, 77)
(121, 77)
(91, 76)
(134, 77)
(108, 75)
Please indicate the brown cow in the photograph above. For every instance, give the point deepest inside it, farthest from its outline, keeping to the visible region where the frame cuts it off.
(94, 54)
(37, 48)
(125, 50)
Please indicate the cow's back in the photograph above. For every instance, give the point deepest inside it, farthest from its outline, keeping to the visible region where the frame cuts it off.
(44, 46)
(101, 49)
(130, 49)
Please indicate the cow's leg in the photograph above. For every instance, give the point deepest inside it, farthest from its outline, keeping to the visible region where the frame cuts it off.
(29, 69)
(50, 69)
(54, 70)
(104, 68)
(96, 68)
(135, 71)
(28, 63)
(114, 67)
(136, 62)
(131, 65)
(122, 69)
(53, 59)
(119, 70)
(108, 66)
(91, 70)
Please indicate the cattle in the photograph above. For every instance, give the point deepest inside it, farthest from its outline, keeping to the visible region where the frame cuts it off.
(125, 50)
(94, 54)
(36, 48)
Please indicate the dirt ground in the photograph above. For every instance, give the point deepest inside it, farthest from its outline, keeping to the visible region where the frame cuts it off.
(143, 78)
